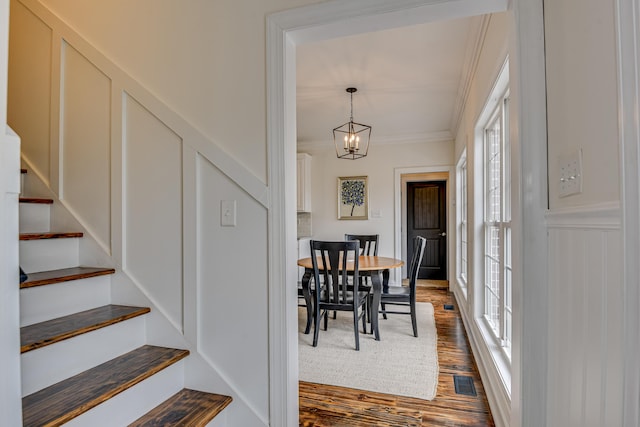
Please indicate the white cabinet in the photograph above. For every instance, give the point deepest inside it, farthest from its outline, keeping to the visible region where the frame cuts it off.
(303, 179)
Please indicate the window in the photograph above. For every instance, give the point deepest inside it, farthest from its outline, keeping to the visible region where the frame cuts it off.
(461, 217)
(497, 223)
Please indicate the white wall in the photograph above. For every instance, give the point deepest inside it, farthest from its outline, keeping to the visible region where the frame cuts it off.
(379, 166)
(586, 295)
(10, 381)
(205, 60)
(582, 98)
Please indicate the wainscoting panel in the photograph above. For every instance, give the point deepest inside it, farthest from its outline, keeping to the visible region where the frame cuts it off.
(29, 94)
(585, 318)
(231, 267)
(85, 142)
(152, 219)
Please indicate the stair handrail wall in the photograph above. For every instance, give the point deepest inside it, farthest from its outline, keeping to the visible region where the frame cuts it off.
(194, 145)
(10, 384)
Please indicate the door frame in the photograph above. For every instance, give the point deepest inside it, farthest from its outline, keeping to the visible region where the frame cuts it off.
(420, 173)
(288, 28)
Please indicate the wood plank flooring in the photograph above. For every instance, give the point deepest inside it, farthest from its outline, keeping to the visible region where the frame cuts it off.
(324, 406)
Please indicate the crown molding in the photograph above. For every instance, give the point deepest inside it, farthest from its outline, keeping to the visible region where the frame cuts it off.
(475, 42)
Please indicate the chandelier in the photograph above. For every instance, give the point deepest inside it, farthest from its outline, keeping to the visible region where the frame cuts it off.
(352, 139)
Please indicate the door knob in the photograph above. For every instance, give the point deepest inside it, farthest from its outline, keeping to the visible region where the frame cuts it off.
(443, 234)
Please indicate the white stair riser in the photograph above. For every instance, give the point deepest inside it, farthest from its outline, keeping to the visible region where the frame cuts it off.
(47, 302)
(48, 254)
(219, 421)
(56, 362)
(32, 186)
(34, 217)
(128, 406)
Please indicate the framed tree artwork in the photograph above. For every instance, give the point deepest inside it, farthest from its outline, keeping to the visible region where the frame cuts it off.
(353, 197)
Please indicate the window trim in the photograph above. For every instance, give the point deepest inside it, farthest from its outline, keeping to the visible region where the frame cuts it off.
(462, 222)
(501, 357)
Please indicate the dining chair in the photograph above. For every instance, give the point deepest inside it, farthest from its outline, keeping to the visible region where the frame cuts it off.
(329, 260)
(368, 246)
(403, 295)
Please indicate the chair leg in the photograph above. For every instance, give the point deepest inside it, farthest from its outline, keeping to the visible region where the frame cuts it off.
(316, 327)
(309, 317)
(384, 313)
(355, 328)
(414, 322)
(366, 313)
(326, 319)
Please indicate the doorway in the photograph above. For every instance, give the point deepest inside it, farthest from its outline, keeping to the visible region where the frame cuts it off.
(287, 29)
(427, 217)
(403, 235)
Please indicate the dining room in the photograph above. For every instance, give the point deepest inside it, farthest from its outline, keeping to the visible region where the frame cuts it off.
(404, 150)
(327, 399)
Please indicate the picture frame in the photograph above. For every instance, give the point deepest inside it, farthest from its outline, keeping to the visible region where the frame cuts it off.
(353, 197)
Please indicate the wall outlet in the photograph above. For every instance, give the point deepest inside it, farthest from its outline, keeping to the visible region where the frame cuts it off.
(570, 174)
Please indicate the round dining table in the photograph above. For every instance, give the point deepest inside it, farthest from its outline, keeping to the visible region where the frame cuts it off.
(374, 266)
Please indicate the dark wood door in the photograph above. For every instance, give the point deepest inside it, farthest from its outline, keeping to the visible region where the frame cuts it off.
(427, 217)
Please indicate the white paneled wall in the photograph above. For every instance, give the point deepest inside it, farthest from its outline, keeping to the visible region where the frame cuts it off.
(137, 178)
(586, 314)
(85, 142)
(152, 183)
(29, 94)
(223, 292)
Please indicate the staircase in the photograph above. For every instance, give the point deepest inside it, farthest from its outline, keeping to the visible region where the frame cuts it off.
(85, 361)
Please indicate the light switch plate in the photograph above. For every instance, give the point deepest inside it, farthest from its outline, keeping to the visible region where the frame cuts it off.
(228, 213)
(571, 174)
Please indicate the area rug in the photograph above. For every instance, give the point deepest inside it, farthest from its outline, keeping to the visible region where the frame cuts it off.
(398, 364)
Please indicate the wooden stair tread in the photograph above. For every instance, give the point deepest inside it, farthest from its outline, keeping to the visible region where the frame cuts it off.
(51, 331)
(49, 277)
(36, 200)
(49, 235)
(191, 408)
(61, 402)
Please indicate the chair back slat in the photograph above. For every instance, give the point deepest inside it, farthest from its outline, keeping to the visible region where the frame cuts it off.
(419, 244)
(368, 243)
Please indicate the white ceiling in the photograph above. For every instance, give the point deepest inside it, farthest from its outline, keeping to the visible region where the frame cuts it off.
(411, 82)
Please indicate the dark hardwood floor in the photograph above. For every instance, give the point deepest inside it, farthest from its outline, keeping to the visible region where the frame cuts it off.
(323, 405)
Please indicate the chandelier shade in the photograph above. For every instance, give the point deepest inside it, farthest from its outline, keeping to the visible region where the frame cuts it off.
(352, 139)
